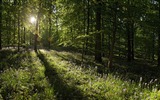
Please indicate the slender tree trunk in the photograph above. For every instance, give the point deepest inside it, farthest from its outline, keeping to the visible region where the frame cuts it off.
(88, 22)
(0, 24)
(37, 29)
(50, 29)
(159, 39)
(57, 27)
(132, 41)
(30, 38)
(129, 42)
(84, 30)
(24, 35)
(8, 31)
(128, 29)
(36, 34)
(103, 42)
(57, 24)
(110, 62)
(98, 45)
(119, 40)
(109, 43)
(18, 31)
(50, 25)
(15, 23)
(14, 33)
(159, 49)
(91, 26)
(153, 47)
(21, 35)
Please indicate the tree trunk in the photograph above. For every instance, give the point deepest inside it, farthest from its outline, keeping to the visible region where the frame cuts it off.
(88, 22)
(159, 49)
(159, 39)
(129, 42)
(15, 24)
(24, 35)
(36, 33)
(0, 24)
(128, 29)
(14, 33)
(110, 62)
(132, 41)
(84, 29)
(18, 31)
(153, 47)
(50, 26)
(50, 29)
(31, 35)
(37, 29)
(8, 31)
(98, 56)
(103, 38)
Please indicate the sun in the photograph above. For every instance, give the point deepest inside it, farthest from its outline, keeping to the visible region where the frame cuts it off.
(32, 20)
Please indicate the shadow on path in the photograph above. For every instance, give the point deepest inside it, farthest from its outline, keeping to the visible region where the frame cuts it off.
(63, 90)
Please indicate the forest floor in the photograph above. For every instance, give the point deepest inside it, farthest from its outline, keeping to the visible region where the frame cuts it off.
(60, 75)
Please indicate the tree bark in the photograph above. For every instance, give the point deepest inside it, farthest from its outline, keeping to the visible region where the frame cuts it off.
(37, 28)
(50, 29)
(24, 35)
(98, 56)
(0, 24)
(14, 33)
(128, 29)
(159, 39)
(36, 33)
(50, 25)
(18, 31)
(103, 38)
(88, 22)
(132, 41)
(110, 62)
(153, 46)
(84, 29)
(129, 42)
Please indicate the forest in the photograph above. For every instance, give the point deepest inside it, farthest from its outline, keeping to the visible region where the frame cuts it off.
(79, 49)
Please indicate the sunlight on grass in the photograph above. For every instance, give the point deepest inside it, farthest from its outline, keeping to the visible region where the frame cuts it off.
(95, 86)
(26, 82)
(50, 75)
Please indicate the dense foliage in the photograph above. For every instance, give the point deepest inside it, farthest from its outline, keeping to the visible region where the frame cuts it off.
(126, 28)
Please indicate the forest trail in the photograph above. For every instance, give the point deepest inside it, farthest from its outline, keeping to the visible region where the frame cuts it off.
(58, 75)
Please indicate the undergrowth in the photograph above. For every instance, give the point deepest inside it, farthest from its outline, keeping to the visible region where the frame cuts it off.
(49, 75)
(24, 80)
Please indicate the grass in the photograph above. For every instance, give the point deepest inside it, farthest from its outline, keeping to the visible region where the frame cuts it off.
(58, 75)
(24, 80)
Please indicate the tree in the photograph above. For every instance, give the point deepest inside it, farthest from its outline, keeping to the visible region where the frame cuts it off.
(37, 32)
(98, 56)
(88, 24)
(159, 36)
(0, 24)
(50, 23)
(114, 9)
(19, 30)
(130, 30)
